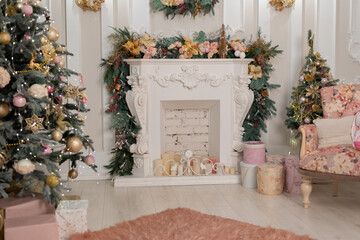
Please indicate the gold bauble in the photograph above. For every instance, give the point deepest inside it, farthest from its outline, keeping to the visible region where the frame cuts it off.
(53, 34)
(4, 109)
(52, 180)
(62, 63)
(5, 37)
(19, 6)
(44, 40)
(74, 144)
(3, 158)
(73, 173)
(56, 135)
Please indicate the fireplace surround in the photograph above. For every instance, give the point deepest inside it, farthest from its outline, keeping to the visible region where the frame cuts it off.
(219, 85)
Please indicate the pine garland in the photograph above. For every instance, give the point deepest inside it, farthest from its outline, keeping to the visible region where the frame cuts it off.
(131, 45)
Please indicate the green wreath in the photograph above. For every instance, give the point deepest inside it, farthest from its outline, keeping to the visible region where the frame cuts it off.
(184, 7)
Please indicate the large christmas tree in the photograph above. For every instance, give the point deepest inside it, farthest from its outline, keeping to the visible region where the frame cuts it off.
(40, 123)
(305, 103)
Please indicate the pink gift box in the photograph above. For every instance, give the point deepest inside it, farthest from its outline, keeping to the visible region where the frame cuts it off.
(17, 207)
(275, 158)
(254, 152)
(292, 177)
(41, 227)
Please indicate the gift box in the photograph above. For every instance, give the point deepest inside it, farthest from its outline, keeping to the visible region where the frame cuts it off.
(248, 175)
(275, 158)
(270, 178)
(17, 207)
(254, 152)
(40, 227)
(292, 177)
(71, 216)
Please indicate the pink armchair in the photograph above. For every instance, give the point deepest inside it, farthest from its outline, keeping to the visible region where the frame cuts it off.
(341, 162)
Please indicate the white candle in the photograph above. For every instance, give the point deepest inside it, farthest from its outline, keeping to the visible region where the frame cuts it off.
(232, 170)
(180, 169)
(158, 167)
(196, 166)
(226, 170)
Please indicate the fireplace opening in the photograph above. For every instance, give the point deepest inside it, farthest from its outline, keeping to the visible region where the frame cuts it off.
(191, 125)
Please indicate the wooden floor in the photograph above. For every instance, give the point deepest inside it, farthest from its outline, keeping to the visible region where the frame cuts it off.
(327, 218)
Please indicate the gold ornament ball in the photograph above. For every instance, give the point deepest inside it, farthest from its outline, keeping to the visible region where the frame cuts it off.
(19, 6)
(44, 40)
(317, 63)
(4, 109)
(73, 173)
(5, 37)
(74, 144)
(52, 180)
(62, 63)
(56, 135)
(53, 34)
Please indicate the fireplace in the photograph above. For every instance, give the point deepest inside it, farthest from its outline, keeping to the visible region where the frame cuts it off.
(196, 104)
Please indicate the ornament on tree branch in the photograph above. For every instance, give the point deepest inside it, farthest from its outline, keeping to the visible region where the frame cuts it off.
(5, 37)
(56, 135)
(53, 34)
(4, 109)
(52, 180)
(19, 100)
(73, 173)
(34, 123)
(24, 166)
(74, 144)
(72, 92)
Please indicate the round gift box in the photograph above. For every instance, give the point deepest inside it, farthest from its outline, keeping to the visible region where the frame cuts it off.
(248, 175)
(254, 152)
(270, 178)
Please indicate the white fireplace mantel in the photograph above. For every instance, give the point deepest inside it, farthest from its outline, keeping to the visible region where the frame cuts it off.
(155, 81)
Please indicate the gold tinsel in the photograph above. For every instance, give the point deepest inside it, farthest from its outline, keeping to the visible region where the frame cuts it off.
(94, 5)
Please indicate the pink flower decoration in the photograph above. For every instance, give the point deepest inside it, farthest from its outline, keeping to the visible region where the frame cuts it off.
(149, 51)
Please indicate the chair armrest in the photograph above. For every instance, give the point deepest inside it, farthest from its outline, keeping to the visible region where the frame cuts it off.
(309, 139)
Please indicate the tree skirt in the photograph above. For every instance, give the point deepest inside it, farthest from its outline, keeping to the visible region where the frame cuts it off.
(182, 223)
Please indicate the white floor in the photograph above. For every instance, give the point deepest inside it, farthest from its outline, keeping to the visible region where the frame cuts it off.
(327, 218)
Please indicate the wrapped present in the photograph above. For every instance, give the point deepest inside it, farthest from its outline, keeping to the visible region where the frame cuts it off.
(39, 227)
(292, 177)
(248, 175)
(270, 178)
(71, 216)
(275, 158)
(254, 152)
(16, 207)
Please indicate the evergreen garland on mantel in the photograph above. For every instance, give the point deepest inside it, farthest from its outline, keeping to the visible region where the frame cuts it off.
(129, 45)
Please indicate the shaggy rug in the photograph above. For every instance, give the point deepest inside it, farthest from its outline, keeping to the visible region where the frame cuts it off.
(186, 224)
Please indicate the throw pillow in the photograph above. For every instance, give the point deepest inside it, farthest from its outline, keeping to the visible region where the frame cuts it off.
(334, 131)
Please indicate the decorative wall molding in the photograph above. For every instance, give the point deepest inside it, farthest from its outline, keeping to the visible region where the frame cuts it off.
(354, 34)
(190, 77)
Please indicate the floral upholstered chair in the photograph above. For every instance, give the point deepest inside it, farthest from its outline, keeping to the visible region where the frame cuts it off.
(340, 161)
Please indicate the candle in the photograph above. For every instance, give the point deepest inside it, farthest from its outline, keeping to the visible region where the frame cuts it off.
(226, 170)
(165, 157)
(232, 170)
(213, 160)
(208, 167)
(196, 166)
(158, 167)
(177, 158)
(174, 167)
(180, 169)
(171, 155)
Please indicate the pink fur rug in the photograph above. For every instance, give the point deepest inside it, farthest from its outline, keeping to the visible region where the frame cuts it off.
(181, 224)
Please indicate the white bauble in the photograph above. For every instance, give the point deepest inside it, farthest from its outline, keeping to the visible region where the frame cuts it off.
(24, 166)
(38, 91)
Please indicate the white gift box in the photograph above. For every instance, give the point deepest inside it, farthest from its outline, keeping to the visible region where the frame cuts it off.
(71, 216)
(248, 175)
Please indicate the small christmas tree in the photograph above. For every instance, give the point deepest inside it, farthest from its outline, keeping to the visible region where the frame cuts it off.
(39, 128)
(306, 100)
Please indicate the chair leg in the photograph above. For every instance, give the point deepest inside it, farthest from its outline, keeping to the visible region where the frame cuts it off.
(306, 189)
(335, 188)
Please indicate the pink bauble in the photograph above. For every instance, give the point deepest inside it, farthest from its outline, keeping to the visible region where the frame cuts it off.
(19, 100)
(302, 99)
(27, 9)
(57, 59)
(324, 80)
(47, 150)
(89, 160)
(28, 36)
(50, 88)
(301, 78)
(307, 120)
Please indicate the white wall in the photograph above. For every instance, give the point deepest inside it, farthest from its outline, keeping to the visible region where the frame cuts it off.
(86, 33)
